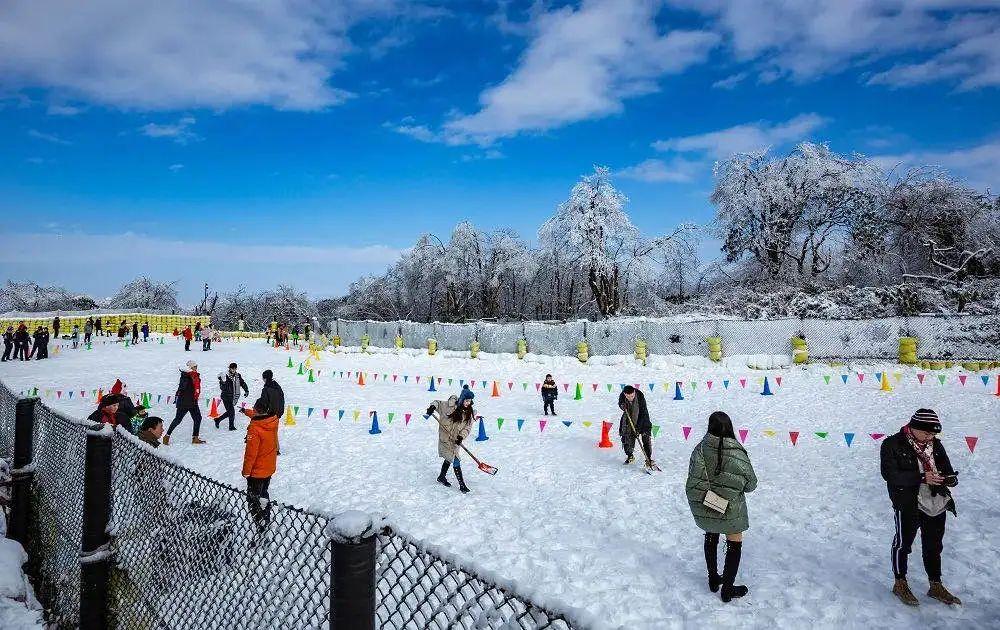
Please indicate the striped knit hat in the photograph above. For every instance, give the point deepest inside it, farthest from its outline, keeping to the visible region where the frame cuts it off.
(925, 420)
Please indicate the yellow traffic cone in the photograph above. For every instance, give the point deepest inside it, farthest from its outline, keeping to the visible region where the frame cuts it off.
(886, 387)
(289, 417)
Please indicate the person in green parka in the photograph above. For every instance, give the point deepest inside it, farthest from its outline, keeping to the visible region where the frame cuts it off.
(720, 463)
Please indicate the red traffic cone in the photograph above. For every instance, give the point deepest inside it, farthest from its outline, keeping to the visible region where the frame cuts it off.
(214, 411)
(605, 435)
(496, 391)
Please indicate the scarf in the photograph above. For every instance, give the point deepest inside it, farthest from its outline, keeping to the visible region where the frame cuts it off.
(924, 450)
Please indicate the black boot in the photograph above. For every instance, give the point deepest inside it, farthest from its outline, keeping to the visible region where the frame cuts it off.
(444, 471)
(461, 482)
(712, 561)
(733, 552)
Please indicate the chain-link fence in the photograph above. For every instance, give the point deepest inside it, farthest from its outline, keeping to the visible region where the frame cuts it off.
(965, 337)
(184, 551)
(8, 404)
(57, 514)
(417, 589)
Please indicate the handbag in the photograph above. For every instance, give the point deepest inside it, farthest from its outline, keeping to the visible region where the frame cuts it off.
(713, 501)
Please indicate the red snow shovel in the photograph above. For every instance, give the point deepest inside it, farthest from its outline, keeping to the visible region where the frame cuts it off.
(483, 466)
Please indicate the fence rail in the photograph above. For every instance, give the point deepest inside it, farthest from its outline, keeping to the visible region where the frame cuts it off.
(120, 537)
(964, 337)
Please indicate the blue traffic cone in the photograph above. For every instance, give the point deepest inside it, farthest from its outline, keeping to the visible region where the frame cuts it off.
(374, 430)
(432, 388)
(482, 437)
(767, 388)
(677, 391)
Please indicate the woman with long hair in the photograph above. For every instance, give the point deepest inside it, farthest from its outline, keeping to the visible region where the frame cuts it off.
(719, 477)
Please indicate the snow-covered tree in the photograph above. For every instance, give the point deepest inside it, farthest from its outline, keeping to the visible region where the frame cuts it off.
(143, 293)
(31, 297)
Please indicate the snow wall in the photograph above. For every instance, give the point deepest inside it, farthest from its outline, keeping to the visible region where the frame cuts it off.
(967, 337)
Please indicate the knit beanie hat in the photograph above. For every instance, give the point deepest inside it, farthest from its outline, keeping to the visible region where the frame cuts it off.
(925, 420)
(465, 395)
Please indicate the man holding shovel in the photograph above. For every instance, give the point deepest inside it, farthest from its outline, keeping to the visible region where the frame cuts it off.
(635, 423)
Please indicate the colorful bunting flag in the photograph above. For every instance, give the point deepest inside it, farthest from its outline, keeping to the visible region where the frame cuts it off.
(743, 435)
(970, 441)
(686, 431)
(793, 436)
(848, 437)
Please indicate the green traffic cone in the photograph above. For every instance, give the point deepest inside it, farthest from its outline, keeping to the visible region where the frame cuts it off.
(161, 340)
(88, 345)
(290, 364)
(579, 394)
(311, 379)
(300, 373)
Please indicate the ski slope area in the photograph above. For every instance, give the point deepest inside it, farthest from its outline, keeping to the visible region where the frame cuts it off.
(566, 521)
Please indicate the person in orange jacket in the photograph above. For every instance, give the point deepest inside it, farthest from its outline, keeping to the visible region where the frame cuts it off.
(187, 338)
(260, 459)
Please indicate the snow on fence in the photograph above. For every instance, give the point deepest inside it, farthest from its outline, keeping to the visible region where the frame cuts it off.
(122, 536)
(954, 337)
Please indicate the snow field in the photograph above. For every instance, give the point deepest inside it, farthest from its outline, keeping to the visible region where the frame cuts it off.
(564, 520)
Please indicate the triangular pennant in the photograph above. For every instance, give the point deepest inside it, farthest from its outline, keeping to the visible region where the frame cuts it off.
(309, 412)
(499, 423)
(656, 429)
(920, 377)
(406, 419)
(541, 425)
(538, 386)
(296, 410)
(565, 387)
(725, 384)
(878, 376)
(340, 414)
(961, 378)
(520, 423)
(391, 414)
(686, 431)
(357, 414)
(325, 412)
(861, 377)
(877, 436)
(793, 436)
(848, 437)
(510, 385)
(826, 377)
(986, 379)
(651, 386)
(942, 378)
(822, 434)
(709, 384)
(743, 435)
(970, 441)
(777, 381)
(587, 423)
(569, 422)
(743, 383)
(609, 387)
(770, 432)
(843, 377)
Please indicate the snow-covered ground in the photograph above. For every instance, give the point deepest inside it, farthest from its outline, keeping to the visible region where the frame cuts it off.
(564, 519)
(19, 610)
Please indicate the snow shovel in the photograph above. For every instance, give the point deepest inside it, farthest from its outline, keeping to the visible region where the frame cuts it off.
(648, 469)
(483, 466)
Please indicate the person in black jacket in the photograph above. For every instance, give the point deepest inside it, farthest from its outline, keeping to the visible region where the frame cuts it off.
(918, 475)
(272, 395)
(186, 400)
(632, 402)
(40, 349)
(135, 333)
(55, 327)
(22, 342)
(550, 392)
(230, 384)
(8, 342)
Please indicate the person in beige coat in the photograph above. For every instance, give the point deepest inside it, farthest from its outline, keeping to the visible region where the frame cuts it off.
(454, 418)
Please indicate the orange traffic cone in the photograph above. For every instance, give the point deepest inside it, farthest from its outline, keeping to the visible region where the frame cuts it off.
(496, 391)
(214, 411)
(100, 395)
(361, 379)
(605, 435)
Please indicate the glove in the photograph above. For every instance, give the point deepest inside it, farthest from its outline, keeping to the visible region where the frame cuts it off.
(458, 442)
(430, 410)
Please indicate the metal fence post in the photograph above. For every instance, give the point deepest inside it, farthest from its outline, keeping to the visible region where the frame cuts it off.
(95, 556)
(352, 598)
(23, 473)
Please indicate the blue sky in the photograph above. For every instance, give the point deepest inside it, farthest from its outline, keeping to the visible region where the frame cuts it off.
(309, 142)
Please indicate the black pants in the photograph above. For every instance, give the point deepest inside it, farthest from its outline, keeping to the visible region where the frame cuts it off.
(257, 490)
(931, 542)
(195, 417)
(206, 344)
(230, 413)
(549, 406)
(86, 337)
(43, 350)
(628, 443)
(7, 347)
(187, 344)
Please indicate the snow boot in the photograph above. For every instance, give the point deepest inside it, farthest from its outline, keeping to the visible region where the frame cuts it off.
(217, 424)
(902, 590)
(629, 460)
(166, 439)
(442, 478)
(712, 561)
(461, 482)
(197, 440)
(940, 593)
(732, 565)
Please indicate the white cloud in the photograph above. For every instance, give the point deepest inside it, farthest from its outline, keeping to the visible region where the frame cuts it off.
(48, 137)
(173, 54)
(180, 131)
(173, 168)
(418, 132)
(746, 137)
(731, 81)
(951, 39)
(581, 64)
(677, 170)
(78, 248)
(63, 110)
(977, 164)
